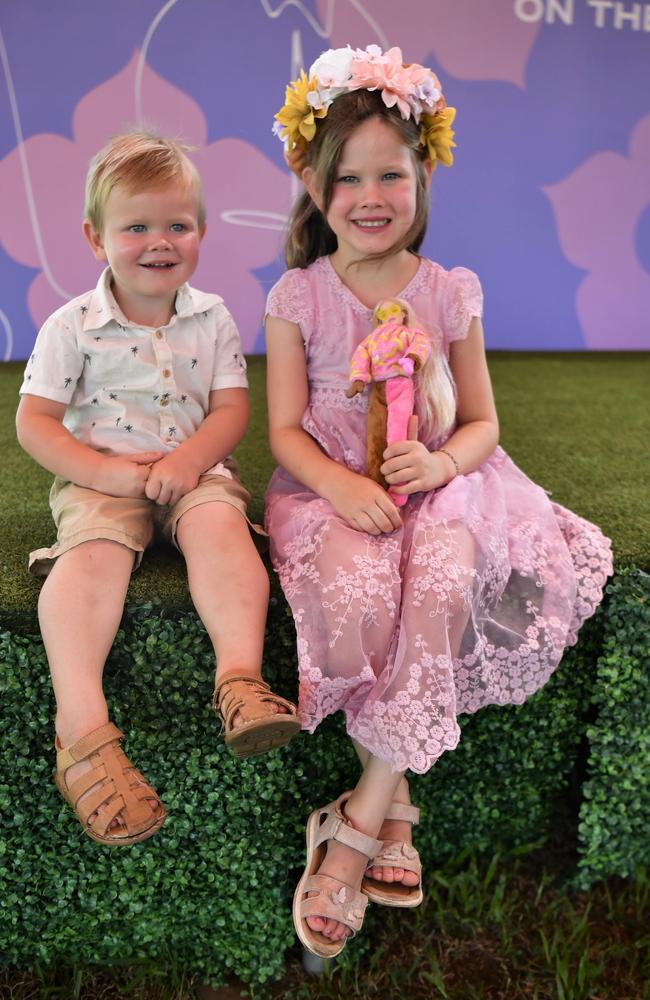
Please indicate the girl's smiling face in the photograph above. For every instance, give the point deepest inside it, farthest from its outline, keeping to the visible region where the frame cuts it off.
(373, 201)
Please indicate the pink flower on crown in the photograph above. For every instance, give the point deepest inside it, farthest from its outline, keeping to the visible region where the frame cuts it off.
(408, 87)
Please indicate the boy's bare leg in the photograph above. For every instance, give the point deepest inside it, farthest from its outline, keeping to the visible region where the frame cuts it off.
(391, 829)
(228, 583)
(80, 608)
(365, 809)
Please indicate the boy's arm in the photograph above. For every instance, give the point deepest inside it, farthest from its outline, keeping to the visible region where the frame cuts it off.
(40, 429)
(221, 431)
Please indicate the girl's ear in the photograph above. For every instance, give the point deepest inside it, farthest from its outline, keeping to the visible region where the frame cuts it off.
(94, 240)
(309, 180)
(428, 173)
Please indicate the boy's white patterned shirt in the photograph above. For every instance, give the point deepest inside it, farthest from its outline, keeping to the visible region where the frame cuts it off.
(130, 388)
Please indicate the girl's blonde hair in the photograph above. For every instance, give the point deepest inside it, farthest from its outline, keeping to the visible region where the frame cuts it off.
(137, 160)
(309, 235)
(434, 385)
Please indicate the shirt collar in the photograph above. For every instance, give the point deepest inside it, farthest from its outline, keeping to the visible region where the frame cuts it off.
(102, 307)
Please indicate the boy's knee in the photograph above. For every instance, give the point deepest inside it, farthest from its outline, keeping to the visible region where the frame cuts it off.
(215, 516)
(96, 557)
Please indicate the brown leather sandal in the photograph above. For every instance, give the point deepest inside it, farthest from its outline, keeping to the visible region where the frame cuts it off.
(396, 854)
(325, 896)
(116, 790)
(260, 729)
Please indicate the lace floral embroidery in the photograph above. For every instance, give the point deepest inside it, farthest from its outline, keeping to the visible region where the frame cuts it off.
(290, 300)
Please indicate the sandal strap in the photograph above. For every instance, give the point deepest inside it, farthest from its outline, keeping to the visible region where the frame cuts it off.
(335, 826)
(334, 900)
(397, 854)
(88, 744)
(401, 811)
(248, 696)
(112, 788)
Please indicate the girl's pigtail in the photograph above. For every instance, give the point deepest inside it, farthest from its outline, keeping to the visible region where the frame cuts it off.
(309, 236)
(437, 396)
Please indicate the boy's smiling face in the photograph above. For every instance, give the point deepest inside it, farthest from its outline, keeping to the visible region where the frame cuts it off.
(151, 241)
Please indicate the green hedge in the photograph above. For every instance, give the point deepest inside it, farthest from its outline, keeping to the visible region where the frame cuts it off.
(615, 815)
(211, 891)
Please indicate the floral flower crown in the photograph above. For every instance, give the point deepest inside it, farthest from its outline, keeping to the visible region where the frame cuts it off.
(414, 89)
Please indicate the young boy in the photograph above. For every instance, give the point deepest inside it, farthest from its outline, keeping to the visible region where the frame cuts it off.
(134, 397)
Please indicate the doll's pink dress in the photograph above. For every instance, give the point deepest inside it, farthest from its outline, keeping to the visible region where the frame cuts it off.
(471, 603)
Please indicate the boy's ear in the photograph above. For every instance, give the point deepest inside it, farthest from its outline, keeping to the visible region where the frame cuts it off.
(94, 240)
(202, 230)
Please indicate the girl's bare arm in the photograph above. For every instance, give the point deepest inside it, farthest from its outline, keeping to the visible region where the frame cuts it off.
(360, 501)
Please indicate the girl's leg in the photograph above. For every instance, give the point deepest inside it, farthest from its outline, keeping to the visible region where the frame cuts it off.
(391, 829)
(228, 584)
(365, 809)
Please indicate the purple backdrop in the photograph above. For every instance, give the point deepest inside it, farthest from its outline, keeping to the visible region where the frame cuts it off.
(549, 199)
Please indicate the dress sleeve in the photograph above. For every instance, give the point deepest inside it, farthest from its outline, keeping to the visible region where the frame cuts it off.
(463, 300)
(291, 299)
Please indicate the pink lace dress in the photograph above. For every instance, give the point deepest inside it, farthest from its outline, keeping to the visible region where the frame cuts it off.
(471, 603)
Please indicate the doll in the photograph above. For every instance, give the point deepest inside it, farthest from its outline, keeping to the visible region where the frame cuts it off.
(388, 358)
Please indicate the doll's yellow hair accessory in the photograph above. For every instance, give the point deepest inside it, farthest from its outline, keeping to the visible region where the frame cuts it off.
(413, 89)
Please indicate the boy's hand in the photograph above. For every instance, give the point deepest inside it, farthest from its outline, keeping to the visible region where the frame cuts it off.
(364, 504)
(125, 476)
(171, 478)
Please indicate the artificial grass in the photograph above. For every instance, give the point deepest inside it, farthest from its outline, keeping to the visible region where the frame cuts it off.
(576, 423)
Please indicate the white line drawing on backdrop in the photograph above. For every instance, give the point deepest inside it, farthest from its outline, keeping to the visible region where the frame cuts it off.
(27, 181)
(325, 30)
(9, 336)
(244, 216)
(142, 57)
(253, 217)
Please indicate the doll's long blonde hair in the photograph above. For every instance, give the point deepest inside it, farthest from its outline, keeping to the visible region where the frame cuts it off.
(433, 382)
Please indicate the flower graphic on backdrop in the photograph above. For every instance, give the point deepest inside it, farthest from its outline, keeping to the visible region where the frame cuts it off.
(597, 209)
(470, 40)
(42, 228)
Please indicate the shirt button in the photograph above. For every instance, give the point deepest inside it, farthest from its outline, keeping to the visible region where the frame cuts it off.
(164, 402)
(159, 334)
(166, 373)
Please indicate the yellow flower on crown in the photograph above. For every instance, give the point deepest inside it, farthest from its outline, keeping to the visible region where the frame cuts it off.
(437, 135)
(296, 119)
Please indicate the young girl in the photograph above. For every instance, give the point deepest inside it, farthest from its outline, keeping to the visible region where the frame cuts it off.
(468, 595)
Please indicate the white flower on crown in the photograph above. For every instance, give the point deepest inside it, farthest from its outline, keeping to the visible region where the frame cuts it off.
(332, 69)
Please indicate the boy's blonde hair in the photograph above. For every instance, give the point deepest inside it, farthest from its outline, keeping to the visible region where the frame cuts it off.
(137, 160)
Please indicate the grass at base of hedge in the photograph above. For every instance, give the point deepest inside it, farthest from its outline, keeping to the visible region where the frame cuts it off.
(491, 928)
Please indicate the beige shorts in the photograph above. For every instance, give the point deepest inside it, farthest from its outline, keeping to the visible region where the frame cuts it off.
(83, 515)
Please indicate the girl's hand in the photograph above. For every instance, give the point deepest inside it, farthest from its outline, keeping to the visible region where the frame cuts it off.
(171, 478)
(363, 504)
(409, 467)
(124, 476)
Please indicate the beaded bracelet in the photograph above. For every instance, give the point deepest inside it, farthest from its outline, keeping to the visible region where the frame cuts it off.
(443, 451)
